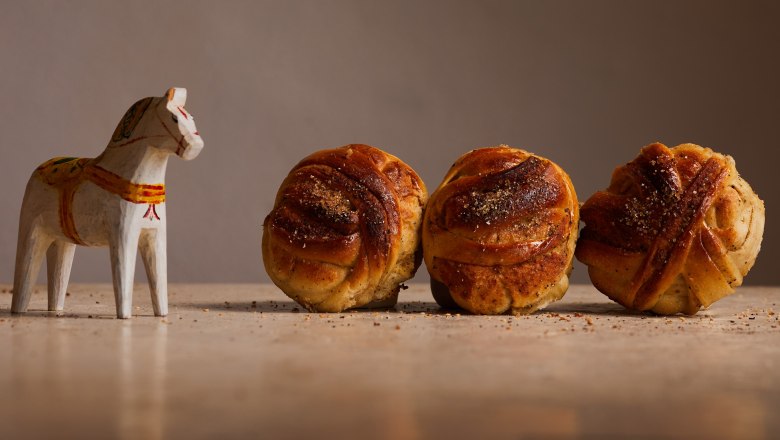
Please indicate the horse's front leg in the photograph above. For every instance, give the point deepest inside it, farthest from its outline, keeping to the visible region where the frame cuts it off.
(153, 253)
(123, 244)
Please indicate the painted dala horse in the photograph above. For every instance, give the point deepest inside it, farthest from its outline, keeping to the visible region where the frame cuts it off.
(116, 199)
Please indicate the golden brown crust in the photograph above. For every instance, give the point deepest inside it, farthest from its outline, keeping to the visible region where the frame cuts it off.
(499, 232)
(344, 230)
(676, 230)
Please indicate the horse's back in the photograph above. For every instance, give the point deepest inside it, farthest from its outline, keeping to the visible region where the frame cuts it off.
(60, 171)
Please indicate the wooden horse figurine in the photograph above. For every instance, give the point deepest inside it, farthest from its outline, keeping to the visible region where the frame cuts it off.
(116, 199)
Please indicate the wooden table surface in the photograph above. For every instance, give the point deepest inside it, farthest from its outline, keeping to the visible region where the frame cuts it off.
(234, 361)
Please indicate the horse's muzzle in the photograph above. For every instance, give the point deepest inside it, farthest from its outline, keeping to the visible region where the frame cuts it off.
(194, 146)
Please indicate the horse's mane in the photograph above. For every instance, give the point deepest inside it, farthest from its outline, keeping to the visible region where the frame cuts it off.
(130, 120)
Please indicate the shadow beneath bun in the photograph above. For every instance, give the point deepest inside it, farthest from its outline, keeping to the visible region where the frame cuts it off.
(267, 306)
(289, 306)
(593, 308)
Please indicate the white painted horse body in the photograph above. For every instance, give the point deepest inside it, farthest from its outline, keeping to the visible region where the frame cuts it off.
(114, 200)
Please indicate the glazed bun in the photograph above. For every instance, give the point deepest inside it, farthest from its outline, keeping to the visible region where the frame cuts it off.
(344, 230)
(499, 232)
(676, 230)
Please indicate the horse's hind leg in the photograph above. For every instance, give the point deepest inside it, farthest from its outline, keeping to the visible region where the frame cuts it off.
(29, 256)
(152, 247)
(59, 260)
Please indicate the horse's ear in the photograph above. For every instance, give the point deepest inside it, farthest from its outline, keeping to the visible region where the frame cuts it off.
(176, 96)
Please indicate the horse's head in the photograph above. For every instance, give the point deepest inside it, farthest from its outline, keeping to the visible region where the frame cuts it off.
(190, 143)
(161, 122)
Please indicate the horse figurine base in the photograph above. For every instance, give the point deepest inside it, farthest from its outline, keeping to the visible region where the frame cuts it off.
(116, 199)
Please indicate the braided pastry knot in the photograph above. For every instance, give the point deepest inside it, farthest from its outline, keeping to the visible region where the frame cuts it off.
(676, 230)
(344, 230)
(499, 232)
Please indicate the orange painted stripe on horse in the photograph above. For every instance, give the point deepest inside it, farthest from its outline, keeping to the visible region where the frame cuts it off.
(132, 192)
(75, 171)
(66, 213)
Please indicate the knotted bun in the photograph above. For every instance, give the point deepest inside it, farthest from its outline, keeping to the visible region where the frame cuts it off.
(344, 230)
(499, 232)
(676, 230)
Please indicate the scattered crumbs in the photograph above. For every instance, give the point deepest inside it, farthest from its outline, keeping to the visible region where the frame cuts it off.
(588, 320)
(376, 324)
(398, 327)
(205, 310)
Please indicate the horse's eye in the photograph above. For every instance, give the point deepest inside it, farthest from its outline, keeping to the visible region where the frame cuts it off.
(175, 119)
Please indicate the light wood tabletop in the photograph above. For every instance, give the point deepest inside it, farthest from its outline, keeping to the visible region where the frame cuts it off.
(234, 361)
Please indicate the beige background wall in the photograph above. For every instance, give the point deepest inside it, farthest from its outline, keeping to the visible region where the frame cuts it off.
(583, 83)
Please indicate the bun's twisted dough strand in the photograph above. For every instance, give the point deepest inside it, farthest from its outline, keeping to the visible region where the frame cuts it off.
(676, 230)
(499, 232)
(344, 230)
